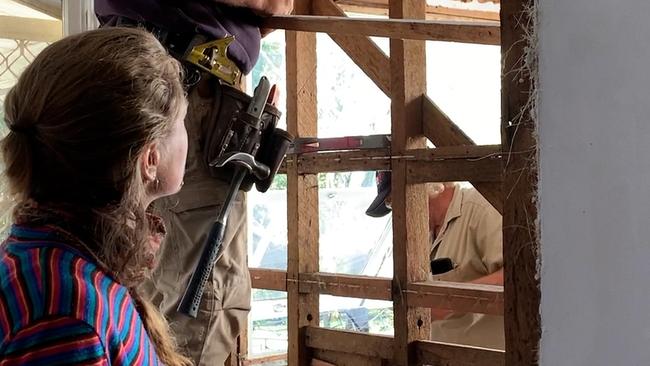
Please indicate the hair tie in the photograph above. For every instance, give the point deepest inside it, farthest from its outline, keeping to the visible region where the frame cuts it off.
(25, 130)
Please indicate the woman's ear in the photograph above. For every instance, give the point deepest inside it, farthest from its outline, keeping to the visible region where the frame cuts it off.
(149, 161)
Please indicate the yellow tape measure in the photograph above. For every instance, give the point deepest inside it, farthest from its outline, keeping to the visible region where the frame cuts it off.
(213, 58)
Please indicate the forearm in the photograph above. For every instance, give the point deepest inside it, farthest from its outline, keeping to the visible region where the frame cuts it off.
(495, 278)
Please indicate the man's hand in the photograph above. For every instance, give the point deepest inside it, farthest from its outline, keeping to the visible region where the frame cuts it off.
(439, 314)
(265, 7)
(495, 279)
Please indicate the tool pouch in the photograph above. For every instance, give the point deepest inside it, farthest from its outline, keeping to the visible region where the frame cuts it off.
(230, 130)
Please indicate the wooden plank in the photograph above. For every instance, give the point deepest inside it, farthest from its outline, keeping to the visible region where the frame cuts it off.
(362, 287)
(439, 128)
(452, 152)
(380, 7)
(443, 354)
(380, 347)
(316, 362)
(362, 50)
(345, 359)
(521, 237)
(460, 297)
(380, 159)
(302, 190)
(410, 229)
(442, 131)
(29, 29)
(452, 170)
(53, 9)
(268, 279)
(428, 30)
(350, 342)
(264, 360)
(344, 161)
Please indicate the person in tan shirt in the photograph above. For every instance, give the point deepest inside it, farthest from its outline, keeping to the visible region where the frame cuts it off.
(465, 228)
(189, 215)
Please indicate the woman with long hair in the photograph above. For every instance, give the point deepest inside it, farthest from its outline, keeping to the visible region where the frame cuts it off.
(96, 135)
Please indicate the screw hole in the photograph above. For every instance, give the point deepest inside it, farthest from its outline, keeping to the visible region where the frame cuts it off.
(309, 317)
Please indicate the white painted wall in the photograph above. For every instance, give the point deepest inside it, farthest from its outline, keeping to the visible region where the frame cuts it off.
(78, 16)
(594, 126)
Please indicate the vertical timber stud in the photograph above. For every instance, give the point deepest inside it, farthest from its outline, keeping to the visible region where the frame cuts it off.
(302, 190)
(521, 241)
(411, 245)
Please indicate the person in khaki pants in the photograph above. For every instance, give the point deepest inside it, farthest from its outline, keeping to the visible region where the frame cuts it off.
(211, 337)
(466, 230)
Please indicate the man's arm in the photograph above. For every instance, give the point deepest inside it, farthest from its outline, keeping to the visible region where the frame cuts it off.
(268, 7)
(495, 278)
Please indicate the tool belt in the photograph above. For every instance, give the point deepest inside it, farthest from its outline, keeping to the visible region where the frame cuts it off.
(228, 130)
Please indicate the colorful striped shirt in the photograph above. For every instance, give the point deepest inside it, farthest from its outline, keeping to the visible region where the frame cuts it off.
(59, 308)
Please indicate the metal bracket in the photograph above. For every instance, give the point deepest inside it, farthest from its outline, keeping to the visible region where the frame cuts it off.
(213, 58)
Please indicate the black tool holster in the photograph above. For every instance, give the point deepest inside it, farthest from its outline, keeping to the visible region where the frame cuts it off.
(229, 131)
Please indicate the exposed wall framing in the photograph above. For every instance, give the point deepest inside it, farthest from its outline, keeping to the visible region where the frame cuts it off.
(414, 117)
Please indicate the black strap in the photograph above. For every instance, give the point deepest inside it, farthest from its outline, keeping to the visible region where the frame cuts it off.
(177, 43)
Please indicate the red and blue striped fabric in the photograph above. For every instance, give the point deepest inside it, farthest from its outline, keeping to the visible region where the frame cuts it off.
(58, 308)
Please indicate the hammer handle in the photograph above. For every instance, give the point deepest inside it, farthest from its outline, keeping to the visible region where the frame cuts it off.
(191, 299)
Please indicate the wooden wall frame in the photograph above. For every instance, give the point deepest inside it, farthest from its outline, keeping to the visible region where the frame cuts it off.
(505, 177)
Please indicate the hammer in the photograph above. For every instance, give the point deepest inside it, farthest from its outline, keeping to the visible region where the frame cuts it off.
(244, 164)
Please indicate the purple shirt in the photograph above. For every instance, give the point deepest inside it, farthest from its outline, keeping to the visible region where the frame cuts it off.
(206, 16)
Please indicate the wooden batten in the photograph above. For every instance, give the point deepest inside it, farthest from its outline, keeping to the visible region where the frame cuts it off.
(464, 297)
(442, 354)
(485, 170)
(264, 360)
(362, 344)
(342, 161)
(447, 163)
(460, 297)
(302, 190)
(317, 362)
(347, 285)
(268, 279)
(344, 359)
(427, 30)
(434, 12)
